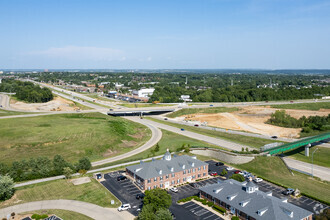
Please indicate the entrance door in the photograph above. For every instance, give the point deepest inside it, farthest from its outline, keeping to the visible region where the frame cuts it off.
(167, 184)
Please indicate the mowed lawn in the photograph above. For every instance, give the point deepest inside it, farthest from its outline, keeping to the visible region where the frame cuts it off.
(273, 168)
(64, 214)
(305, 106)
(187, 111)
(321, 156)
(8, 113)
(73, 136)
(92, 192)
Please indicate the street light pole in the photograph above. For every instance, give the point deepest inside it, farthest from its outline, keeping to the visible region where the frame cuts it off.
(313, 162)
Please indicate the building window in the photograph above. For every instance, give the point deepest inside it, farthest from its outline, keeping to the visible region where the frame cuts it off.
(167, 176)
(161, 177)
(178, 181)
(194, 170)
(199, 168)
(204, 167)
(155, 186)
(199, 175)
(149, 180)
(184, 179)
(173, 182)
(204, 174)
(149, 188)
(184, 172)
(155, 179)
(161, 185)
(194, 176)
(189, 171)
(173, 174)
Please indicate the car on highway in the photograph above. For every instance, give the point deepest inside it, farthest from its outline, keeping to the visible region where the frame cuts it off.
(111, 109)
(229, 168)
(165, 119)
(174, 189)
(120, 178)
(211, 105)
(219, 164)
(124, 207)
(274, 137)
(213, 173)
(196, 125)
(288, 191)
(182, 129)
(0, 106)
(258, 180)
(139, 196)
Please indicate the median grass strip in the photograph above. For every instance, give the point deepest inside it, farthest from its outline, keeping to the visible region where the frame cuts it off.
(92, 192)
(143, 105)
(304, 106)
(9, 113)
(321, 156)
(240, 139)
(274, 170)
(64, 214)
(187, 111)
(73, 136)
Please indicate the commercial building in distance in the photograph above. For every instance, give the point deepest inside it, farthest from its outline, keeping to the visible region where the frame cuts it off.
(168, 172)
(144, 93)
(247, 202)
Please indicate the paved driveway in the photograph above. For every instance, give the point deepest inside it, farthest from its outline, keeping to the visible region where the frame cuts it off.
(88, 209)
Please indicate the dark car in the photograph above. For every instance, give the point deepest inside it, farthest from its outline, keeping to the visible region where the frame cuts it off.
(194, 185)
(140, 196)
(275, 137)
(219, 164)
(165, 119)
(120, 178)
(182, 129)
(288, 191)
(196, 125)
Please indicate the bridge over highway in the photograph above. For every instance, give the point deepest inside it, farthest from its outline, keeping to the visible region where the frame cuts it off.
(306, 142)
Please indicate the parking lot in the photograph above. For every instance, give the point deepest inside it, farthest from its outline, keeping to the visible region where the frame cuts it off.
(198, 212)
(124, 190)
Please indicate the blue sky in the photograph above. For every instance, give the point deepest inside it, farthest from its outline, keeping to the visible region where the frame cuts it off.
(271, 34)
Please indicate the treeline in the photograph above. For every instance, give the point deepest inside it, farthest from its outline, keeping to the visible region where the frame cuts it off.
(26, 91)
(309, 124)
(41, 167)
(236, 94)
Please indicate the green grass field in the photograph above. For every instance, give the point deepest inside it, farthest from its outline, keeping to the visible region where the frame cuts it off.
(321, 156)
(73, 136)
(315, 106)
(64, 214)
(169, 140)
(92, 192)
(187, 111)
(273, 168)
(246, 140)
(8, 113)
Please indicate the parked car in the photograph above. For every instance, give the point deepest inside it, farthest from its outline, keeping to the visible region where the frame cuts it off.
(241, 173)
(275, 137)
(288, 191)
(237, 171)
(140, 196)
(213, 173)
(182, 129)
(120, 178)
(229, 168)
(165, 119)
(174, 189)
(124, 207)
(196, 125)
(194, 185)
(219, 164)
(258, 180)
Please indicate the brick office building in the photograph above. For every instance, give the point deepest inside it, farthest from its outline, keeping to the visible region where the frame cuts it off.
(247, 202)
(168, 172)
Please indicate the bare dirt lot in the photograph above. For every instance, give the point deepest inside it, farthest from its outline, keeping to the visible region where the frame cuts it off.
(57, 104)
(252, 119)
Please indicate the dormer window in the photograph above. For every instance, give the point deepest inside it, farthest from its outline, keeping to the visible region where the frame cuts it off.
(217, 190)
(172, 169)
(245, 202)
(231, 197)
(183, 166)
(138, 169)
(260, 212)
(192, 164)
(288, 212)
(160, 171)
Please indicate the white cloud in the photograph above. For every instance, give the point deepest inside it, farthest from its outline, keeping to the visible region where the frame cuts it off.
(82, 53)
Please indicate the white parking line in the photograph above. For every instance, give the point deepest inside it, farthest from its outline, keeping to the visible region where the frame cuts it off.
(311, 203)
(209, 216)
(190, 205)
(201, 212)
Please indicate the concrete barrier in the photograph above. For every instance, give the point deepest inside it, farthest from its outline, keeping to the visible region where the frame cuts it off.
(222, 155)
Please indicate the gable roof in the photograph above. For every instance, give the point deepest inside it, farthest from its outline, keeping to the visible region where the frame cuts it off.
(163, 167)
(258, 204)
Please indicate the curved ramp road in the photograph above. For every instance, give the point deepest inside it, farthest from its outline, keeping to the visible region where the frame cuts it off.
(212, 140)
(319, 171)
(156, 135)
(88, 209)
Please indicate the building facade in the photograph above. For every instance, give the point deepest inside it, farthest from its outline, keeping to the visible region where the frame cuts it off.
(144, 93)
(247, 202)
(168, 172)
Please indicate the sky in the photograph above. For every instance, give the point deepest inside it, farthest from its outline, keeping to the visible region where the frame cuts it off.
(164, 34)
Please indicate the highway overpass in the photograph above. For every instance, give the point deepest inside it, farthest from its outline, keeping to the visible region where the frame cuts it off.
(141, 112)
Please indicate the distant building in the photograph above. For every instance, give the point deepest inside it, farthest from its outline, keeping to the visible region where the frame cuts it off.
(168, 172)
(144, 93)
(185, 98)
(247, 202)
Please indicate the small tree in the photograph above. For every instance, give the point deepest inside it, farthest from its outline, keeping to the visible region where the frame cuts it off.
(157, 147)
(163, 214)
(242, 149)
(224, 172)
(67, 171)
(84, 164)
(157, 198)
(247, 149)
(238, 177)
(6, 187)
(82, 172)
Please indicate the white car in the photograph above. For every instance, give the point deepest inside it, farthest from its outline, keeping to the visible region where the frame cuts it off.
(258, 180)
(124, 207)
(229, 168)
(174, 189)
(241, 173)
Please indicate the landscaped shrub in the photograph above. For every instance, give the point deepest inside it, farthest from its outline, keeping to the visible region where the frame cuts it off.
(39, 217)
(204, 202)
(219, 209)
(210, 204)
(234, 218)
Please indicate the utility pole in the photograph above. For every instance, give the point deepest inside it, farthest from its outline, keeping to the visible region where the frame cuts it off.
(313, 162)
